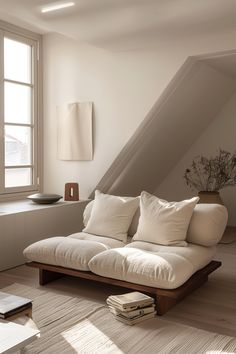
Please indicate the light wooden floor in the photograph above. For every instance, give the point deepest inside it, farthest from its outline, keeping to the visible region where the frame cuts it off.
(212, 307)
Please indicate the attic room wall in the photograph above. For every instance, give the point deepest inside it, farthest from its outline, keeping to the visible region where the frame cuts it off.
(123, 87)
(219, 134)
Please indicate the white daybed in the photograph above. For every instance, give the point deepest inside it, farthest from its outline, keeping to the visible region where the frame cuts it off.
(169, 272)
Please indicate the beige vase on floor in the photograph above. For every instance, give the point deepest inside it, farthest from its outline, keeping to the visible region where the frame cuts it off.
(210, 197)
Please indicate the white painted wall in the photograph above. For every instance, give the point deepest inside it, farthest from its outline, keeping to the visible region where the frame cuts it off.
(123, 87)
(219, 134)
(184, 111)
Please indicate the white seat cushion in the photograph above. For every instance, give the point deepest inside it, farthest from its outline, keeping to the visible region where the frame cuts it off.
(197, 255)
(72, 252)
(110, 242)
(152, 265)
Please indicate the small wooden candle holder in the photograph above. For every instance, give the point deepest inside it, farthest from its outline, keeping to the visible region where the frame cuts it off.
(71, 191)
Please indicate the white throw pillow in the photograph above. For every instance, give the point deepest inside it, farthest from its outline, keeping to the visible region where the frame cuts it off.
(162, 222)
(111, 216)
(134, 223)
(87, 212)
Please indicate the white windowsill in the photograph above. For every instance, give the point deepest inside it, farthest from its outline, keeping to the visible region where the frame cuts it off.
(22, 206)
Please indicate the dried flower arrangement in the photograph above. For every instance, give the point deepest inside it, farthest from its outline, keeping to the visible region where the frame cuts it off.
(212, 174)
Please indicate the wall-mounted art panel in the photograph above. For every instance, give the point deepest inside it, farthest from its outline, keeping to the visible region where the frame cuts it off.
(74, 129)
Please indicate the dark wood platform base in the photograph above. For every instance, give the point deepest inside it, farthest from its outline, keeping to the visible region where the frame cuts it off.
(165, 298)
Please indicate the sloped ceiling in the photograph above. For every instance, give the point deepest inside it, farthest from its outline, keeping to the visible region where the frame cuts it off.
(225, 63)
(186, 108)
(123, 24)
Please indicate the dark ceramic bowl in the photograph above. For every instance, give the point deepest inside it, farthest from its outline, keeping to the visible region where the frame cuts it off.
(41, 198)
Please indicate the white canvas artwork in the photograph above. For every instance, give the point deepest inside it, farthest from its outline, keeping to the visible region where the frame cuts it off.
(75, 136)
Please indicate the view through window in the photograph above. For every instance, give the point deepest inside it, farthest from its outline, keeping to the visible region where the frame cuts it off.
(19, 119)
(18, 123)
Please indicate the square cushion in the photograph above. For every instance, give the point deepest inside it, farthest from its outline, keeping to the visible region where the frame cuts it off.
(111, 216)
(134, 223)
(162, 222)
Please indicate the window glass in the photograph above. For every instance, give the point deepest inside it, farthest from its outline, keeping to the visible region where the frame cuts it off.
(17, 103)
(17, 61)
(17, 145)
(18, 177)
(20, 105)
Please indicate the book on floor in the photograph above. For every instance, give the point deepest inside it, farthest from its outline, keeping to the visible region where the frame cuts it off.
(132, 321)
(130, 301)
(12, 304)
(132, 313)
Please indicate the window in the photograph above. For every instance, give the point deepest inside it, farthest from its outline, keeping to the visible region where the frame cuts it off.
(20, 114)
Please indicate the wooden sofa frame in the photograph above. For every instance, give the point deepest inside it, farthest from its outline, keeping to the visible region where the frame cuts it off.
(165, 298)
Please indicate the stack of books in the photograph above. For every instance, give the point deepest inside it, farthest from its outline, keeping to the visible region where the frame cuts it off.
(131, 308)
(11, 305)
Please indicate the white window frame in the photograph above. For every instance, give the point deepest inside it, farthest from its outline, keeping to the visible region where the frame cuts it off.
(35, 41)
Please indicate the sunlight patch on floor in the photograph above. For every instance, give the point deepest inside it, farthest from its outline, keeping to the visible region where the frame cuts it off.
(85, 335)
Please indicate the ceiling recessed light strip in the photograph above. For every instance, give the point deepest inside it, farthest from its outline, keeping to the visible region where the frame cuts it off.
(57, 6)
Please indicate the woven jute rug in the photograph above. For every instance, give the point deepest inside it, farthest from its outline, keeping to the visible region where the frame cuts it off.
(75, 325)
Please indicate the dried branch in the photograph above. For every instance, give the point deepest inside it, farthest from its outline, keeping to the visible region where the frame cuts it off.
(212, 174)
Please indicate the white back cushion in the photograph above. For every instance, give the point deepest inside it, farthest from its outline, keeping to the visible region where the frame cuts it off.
(207, 224)
(111, 216)
(162, 222)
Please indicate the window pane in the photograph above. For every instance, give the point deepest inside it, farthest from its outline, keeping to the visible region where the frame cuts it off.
(18, 177)
(17, 145)
(17, 103)
(17, 61)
